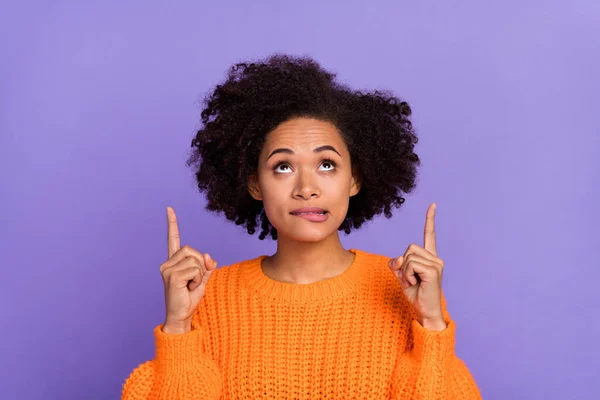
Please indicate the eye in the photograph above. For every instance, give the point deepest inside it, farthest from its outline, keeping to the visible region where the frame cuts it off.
(282, 168)
(328, 164)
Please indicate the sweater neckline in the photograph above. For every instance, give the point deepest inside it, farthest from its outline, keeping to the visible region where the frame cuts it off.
(331, 288)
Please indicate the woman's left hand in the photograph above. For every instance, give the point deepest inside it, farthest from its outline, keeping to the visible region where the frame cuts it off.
(419, 271)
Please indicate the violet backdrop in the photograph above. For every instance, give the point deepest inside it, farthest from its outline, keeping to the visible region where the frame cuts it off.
(99, 102)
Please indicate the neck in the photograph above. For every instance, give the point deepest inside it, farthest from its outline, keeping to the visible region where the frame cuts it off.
(307, 262)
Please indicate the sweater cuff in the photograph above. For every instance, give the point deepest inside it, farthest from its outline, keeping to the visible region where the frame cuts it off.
(436, 346)
(177, 351)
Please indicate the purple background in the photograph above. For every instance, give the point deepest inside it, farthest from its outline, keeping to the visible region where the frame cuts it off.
(99, 104)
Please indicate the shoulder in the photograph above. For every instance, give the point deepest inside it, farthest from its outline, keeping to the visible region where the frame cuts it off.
(225, 283)
(367, 257)
(381, 283)
(376, 267)
(232, 271)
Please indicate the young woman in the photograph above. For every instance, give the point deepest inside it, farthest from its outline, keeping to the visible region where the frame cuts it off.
(285, 146)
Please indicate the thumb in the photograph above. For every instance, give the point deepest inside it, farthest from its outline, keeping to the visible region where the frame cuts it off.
(211, 264)
(396, 263)
(200, 286)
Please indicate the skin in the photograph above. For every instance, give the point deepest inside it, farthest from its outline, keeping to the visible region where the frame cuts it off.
(313, 169)
(307, 252)
(420, 271)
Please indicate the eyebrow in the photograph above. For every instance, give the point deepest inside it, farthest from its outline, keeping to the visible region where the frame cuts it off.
(316, 150)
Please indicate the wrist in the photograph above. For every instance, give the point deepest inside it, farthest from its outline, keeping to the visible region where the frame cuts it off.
(176, 327)
(436, 324)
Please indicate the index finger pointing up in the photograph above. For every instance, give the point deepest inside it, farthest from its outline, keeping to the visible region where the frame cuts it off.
(430, 229)
(173, 232)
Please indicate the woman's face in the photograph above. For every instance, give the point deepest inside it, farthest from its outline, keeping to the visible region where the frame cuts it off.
(304, 163)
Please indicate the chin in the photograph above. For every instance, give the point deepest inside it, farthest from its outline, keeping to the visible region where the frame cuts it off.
(308, 234)
(305, 237)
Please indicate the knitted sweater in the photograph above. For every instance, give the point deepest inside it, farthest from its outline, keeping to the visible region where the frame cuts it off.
(353, 336)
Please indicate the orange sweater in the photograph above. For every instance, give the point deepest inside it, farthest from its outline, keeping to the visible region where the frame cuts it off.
(353, 336)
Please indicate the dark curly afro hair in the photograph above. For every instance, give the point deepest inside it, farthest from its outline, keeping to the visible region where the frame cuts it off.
(257, 96)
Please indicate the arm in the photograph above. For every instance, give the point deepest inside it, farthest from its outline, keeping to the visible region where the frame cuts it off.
(179, 371)
(429, 369)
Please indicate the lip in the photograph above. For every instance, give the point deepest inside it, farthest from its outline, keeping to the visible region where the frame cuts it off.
(314, 210)
(313, 214)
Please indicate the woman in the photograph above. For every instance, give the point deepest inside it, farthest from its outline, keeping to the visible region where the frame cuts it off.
(286, 146)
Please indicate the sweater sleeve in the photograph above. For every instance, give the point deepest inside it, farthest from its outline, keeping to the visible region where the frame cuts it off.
(429, 369)
(178, 371)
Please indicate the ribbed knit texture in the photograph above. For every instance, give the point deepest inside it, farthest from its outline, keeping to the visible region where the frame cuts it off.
(354, 336)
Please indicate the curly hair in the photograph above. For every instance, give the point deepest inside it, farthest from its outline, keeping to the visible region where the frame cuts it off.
(258, 96)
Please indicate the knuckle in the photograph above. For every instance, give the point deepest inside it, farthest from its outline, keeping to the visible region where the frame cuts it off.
(195, 262)
(165, 269)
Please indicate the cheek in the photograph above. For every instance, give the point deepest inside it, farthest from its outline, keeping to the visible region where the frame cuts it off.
(275, 207)
(271, 186)
(342, 198)
(274, 194)
(341, 187)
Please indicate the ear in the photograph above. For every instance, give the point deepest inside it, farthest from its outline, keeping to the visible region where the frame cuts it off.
(356, 184)
(253, 187)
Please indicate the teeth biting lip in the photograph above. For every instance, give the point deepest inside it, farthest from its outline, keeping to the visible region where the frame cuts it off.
(309, 210)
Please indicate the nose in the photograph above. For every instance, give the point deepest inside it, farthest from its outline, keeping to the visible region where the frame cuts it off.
(306, 187)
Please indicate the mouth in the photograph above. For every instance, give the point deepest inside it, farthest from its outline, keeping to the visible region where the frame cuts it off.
(311, 214)
(309, 211)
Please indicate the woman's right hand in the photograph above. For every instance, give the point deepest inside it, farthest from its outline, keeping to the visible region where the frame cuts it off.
(185, 275)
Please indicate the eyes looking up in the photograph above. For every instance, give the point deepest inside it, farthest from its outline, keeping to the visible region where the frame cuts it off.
(283, 167)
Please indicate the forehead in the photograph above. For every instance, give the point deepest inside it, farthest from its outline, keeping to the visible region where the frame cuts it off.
(302, 133)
